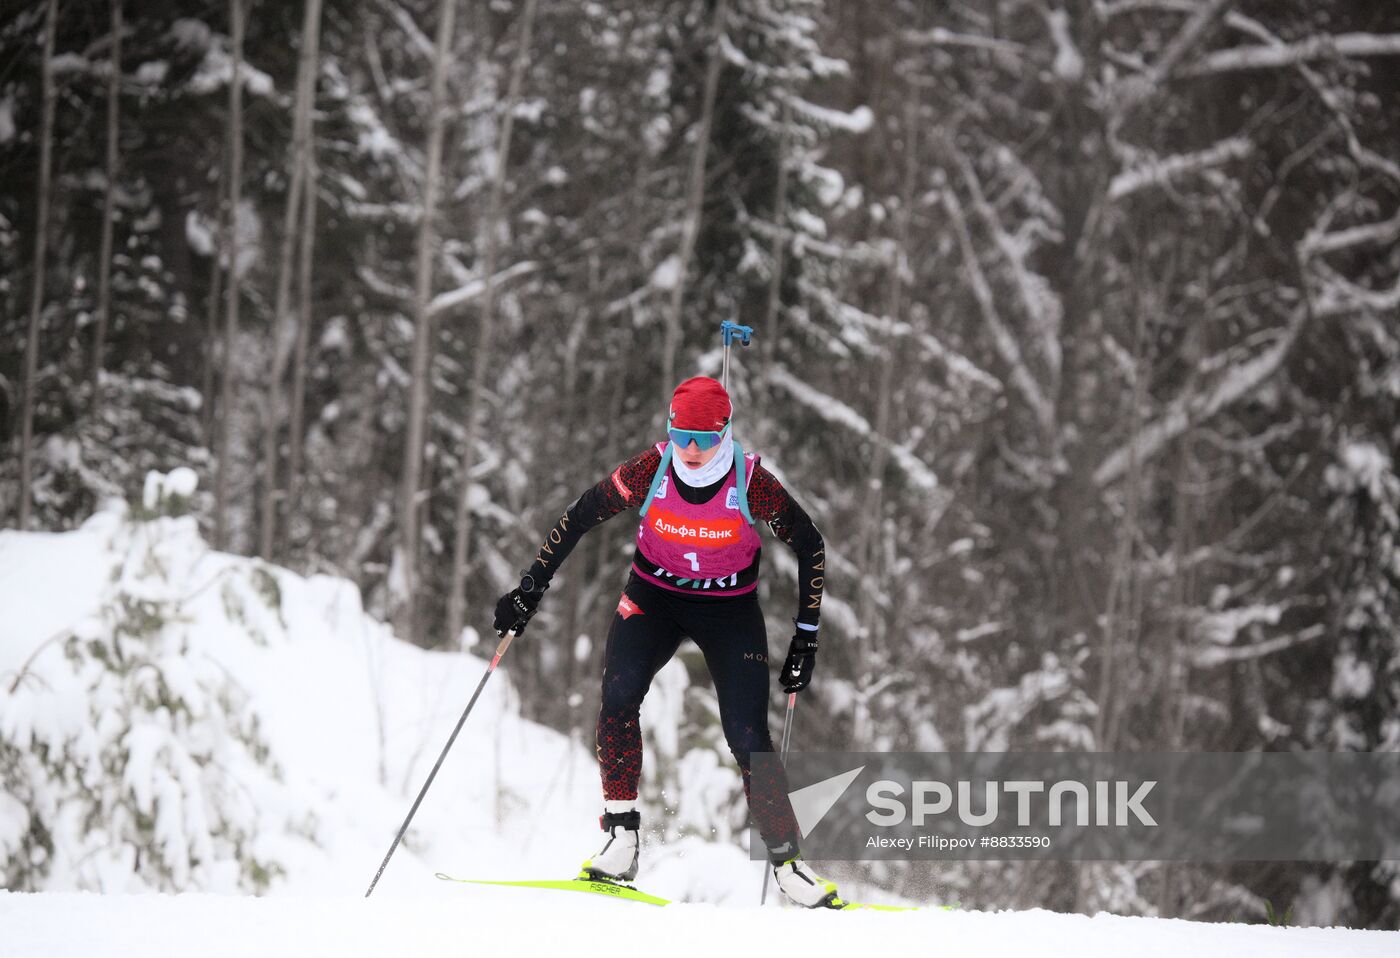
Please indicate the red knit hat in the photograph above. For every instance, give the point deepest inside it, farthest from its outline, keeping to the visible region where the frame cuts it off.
(700, 403)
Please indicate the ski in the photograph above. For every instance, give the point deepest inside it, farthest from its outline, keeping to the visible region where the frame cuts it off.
(589, 885)
(598, 886)
(840, 904)
(953, 907)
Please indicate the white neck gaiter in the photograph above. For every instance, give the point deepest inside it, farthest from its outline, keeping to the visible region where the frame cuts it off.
(712, 471)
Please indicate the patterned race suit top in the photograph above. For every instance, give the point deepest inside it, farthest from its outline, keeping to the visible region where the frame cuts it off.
(686, 546)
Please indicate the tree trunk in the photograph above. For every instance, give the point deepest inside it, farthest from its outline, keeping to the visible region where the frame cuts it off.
(456, 599)
(104, 260)
(235, 174)
(870, 552)
(296, 438)
(694, 200)
(1119, 608)
(301, 123)
(212, 317)
(36, 296)
(402, 592)
(780, 236)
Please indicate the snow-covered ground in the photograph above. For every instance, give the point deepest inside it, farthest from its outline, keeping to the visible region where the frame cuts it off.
(354, 720)
(490, 921)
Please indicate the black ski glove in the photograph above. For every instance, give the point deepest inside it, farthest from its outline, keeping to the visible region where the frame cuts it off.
(515, 609)
(801, 660)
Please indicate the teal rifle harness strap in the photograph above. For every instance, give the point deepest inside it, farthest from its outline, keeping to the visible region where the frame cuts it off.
(665, 467)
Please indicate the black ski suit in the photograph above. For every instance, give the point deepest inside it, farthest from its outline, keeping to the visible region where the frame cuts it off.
(651, 621)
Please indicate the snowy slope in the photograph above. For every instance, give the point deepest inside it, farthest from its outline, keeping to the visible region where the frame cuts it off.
(513, 922)
(355, 719)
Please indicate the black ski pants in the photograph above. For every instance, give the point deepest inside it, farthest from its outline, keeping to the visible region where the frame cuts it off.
(647, 629)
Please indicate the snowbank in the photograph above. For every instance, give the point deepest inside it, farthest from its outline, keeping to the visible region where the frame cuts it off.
(351, 717)
(526, 922)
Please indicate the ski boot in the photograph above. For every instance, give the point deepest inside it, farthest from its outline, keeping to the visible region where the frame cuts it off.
(805, 887)
(617, 860)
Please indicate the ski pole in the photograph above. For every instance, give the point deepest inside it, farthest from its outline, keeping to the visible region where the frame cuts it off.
(730, 331)
(787, 724)
(787, 737)
(500, 651)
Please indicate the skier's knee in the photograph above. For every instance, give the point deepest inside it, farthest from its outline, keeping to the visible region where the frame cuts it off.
(743, 744)
(620, 709)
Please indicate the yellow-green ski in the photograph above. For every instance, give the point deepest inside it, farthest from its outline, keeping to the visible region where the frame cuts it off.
(596, 886)
(840, 904)
(590, 885)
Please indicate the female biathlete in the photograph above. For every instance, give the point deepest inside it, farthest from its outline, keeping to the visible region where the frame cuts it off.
(694, 573)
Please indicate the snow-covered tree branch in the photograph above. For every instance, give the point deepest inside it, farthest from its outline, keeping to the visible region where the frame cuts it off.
(1345, 45)
(1007, 346)
(1161, 171)
(1234, 384)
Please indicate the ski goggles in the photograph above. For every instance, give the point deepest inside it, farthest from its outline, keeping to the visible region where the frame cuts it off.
(704, 439)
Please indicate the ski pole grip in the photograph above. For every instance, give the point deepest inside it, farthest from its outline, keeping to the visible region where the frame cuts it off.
(731, 331)
(502, 646)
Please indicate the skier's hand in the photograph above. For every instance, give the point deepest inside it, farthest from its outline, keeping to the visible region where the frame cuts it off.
(515, 609)
(801, 660)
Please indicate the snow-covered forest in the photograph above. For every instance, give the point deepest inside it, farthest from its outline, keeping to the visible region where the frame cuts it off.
(1076, 331)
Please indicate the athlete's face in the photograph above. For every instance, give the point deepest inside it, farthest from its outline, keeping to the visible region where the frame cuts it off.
(694, 457)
